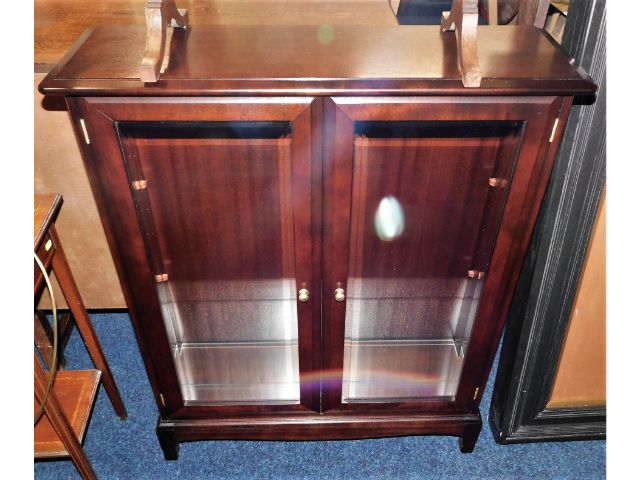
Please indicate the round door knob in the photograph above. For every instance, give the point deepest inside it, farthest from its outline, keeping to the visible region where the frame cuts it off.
(339, 295)
(303, 295)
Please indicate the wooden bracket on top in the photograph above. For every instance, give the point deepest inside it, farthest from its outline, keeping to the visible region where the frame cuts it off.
(463, 18)
(159, 14)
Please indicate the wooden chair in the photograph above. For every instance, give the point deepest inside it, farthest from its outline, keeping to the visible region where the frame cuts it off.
(60, 430)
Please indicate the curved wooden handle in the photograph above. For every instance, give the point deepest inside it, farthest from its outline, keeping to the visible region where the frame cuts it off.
(463, 18)
(159, 15)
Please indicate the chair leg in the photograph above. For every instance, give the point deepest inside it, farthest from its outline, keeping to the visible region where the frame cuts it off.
(53, 411)
(76, 305)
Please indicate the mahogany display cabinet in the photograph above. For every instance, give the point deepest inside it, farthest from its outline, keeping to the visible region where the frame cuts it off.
(318, 235)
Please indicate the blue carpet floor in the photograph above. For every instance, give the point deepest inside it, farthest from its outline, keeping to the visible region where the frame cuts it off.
(129, 449)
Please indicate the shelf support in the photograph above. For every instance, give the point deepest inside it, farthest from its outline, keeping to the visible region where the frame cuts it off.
(463, 19)
(160, 14)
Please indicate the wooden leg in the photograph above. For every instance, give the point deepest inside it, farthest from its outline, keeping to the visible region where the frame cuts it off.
(76, 305)
(53, 411)
(43, 337)
(469, 437)
(168, 443)
(65, 327)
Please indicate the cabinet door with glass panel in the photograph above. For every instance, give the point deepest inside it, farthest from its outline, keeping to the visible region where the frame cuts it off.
(216, 198)
(418, 193)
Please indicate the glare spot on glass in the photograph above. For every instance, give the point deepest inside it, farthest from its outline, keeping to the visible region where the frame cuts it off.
(325, 34)
(389, 219)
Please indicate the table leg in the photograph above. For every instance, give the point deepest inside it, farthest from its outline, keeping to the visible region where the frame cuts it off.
(76, 305)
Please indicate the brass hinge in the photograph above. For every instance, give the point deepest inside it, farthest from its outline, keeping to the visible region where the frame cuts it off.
(497, 182)
(553, 130)
(139, 184)
(84, 131)
(475, 394)
(162, 400)
(162, 277)
(475, 274)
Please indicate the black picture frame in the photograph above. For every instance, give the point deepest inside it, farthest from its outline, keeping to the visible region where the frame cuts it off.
(541, 308)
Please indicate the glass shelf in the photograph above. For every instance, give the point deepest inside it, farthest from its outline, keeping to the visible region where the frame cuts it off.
(385, 371)
(238, 373)
(234, 342)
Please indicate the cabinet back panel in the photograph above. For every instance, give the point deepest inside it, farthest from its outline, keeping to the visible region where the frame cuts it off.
(234, 246)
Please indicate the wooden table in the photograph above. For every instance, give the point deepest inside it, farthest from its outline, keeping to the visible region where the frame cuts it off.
(60, 431)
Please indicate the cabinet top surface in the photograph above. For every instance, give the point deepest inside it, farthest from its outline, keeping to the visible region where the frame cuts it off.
(315, 60)
(58, 23)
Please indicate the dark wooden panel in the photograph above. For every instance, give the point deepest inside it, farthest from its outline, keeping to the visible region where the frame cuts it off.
(250, 59)
(416, 287)
(222, 210)
(441, 185)
(221, 213)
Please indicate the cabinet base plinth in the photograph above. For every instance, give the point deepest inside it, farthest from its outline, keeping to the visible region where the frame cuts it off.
(172, 432)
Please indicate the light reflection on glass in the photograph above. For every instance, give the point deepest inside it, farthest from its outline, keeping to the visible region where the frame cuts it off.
(389, 219)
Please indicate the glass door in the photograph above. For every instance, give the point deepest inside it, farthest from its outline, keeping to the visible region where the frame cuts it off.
(217, 213)
(419, 232)
(222, 194)
(420, 189)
